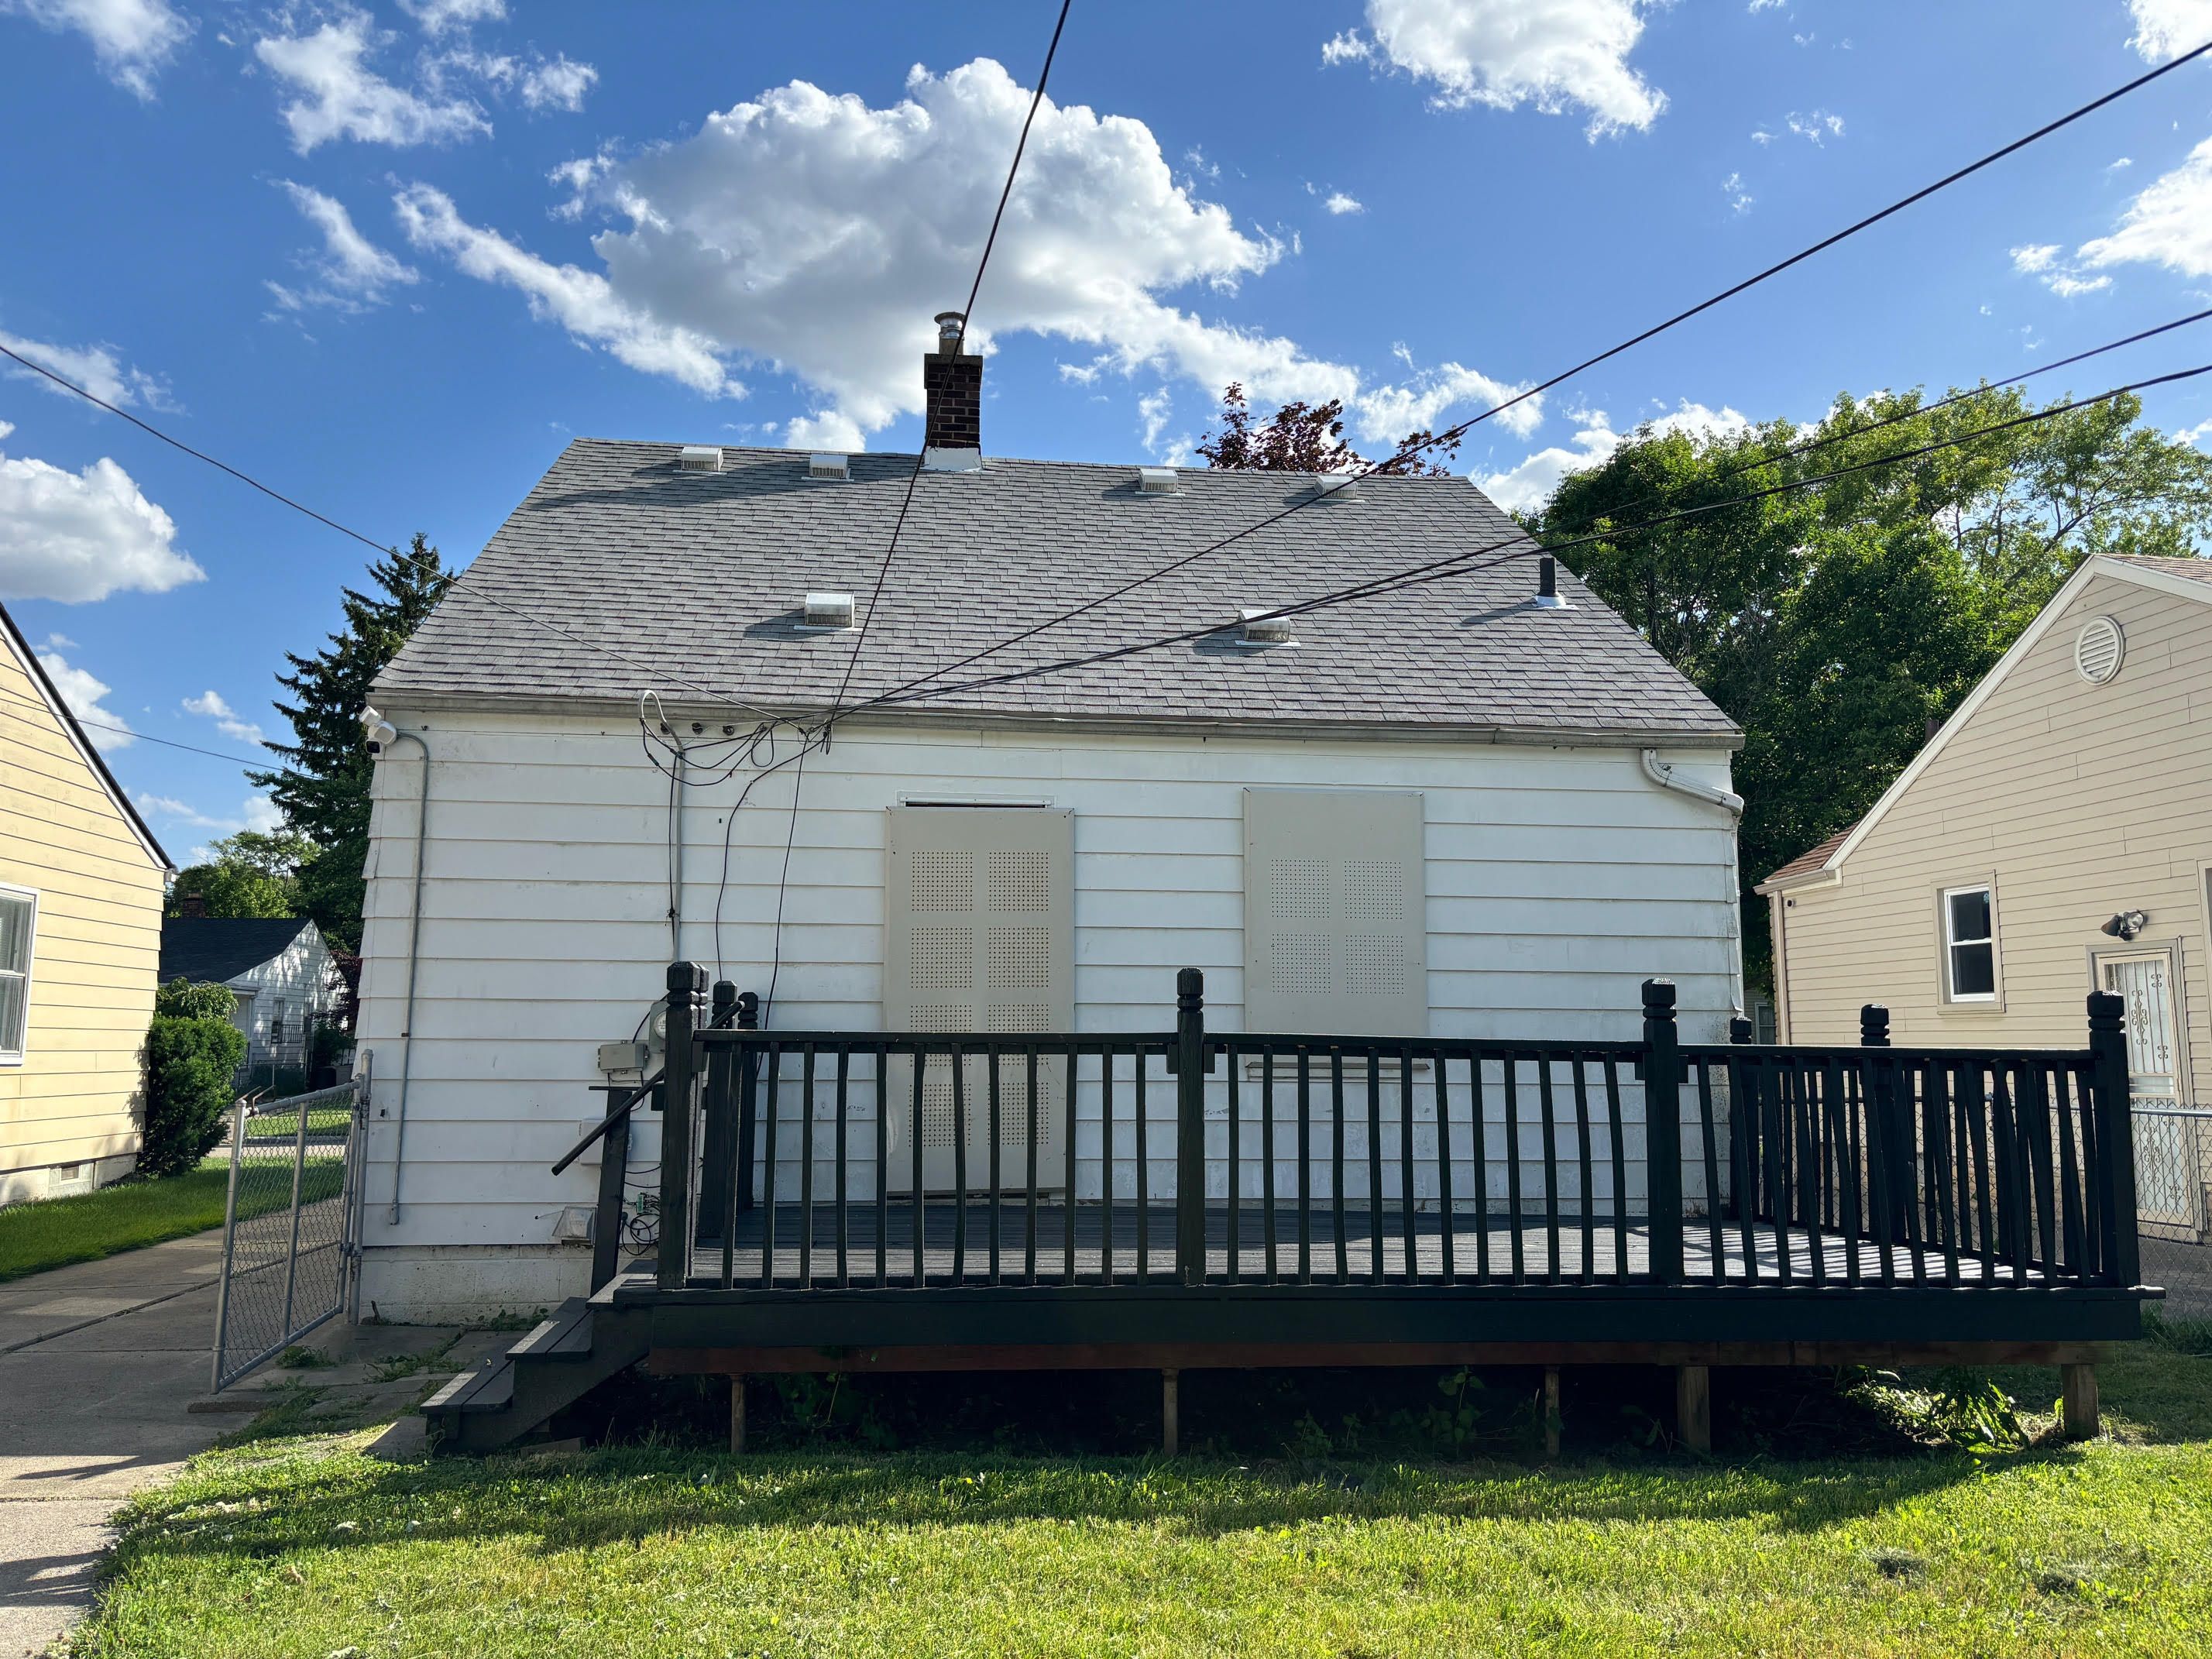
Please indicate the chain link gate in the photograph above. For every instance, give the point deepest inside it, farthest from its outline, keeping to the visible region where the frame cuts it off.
(289, 1224)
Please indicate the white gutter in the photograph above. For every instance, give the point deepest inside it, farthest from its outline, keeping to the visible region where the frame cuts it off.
(1662, 774)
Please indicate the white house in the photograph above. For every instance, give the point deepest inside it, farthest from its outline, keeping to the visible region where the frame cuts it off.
(278, 970)
(1454, 808)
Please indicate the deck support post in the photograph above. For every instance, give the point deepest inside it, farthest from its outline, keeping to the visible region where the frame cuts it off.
(1550, 1411)
(1694, 1406)
(679, 1145)
(2120, 1245)
(736, 1413)
(1662, 1130)
(1170, 1414)
(1190, 1126)
(2079, 1384)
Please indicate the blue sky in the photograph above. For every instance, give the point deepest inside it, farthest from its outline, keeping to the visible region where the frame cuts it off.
(389, 258)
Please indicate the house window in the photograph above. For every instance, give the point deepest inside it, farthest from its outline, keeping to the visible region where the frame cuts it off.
(1970, 946)
(18, 917)
(276, 1023)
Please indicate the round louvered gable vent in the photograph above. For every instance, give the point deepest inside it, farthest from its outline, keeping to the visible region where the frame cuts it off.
(2098, 649)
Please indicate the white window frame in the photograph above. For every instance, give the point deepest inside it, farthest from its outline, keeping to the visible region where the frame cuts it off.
(1952, 997)
(12, 1057)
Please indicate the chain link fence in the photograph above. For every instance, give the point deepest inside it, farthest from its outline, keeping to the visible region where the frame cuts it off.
(2173, 1205)
(288, 1228)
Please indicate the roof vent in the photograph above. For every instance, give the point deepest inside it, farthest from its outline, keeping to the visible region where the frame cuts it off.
(1337, 487)
(827, 467)
(1259, 625)
(1156, 481)
(1547, 585)
(828, 610)
(2098, 649)
(700, 457)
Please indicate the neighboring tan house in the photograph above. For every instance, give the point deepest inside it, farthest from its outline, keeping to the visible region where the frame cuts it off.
(1462, 809)
(80, 881)
(2054, 838)
(279, 970)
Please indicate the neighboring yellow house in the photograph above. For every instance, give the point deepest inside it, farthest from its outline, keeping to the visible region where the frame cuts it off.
(80, 887)
(2054, 838)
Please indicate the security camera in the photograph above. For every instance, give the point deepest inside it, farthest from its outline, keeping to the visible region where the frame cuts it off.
(377, 730)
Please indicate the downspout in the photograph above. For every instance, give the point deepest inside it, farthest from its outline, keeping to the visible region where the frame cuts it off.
(1663, 773)
(381, 735)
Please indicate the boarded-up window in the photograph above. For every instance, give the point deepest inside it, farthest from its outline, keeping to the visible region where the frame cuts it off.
(979, 936)
(1335, 933)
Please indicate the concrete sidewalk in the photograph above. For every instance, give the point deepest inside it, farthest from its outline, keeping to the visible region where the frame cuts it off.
(97, 1365)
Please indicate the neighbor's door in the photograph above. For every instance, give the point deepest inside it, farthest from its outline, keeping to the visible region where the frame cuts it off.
(2144, 981)
(979, 936)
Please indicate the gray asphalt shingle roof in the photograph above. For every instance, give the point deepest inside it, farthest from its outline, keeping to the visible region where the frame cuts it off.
(697, 577)
(211, 950)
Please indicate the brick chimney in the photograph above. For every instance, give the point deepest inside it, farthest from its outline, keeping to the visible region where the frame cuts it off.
(952, 382)
(191, 904)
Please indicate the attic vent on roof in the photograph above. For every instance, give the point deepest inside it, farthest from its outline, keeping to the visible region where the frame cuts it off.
(827, 467)
(1156, 481)
(1257, 626)
(828, 610)
(1337, 487)
(700, 457)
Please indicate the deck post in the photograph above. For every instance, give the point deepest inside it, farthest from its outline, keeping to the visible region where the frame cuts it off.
(2079, 1385)
(737, 1412)
(1694, 1406)
(718, 1131)
(748, 1098)
(1886, 1144)
(607, 1223)
(1170, 1414)
(1550, 1411)
(679, 1171)
(1662, 1130)
(2121, 1251)
(1190, 1128)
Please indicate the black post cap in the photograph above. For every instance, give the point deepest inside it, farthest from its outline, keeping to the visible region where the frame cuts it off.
(1190, 989)
(689, 977)
(748, 1009)
(1873, 1023)
(1740, 1030)
(726, 994)
(2108, 1012)
(1658, 996)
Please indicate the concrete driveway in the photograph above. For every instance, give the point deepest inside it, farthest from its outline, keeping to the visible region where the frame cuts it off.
(98, 1363)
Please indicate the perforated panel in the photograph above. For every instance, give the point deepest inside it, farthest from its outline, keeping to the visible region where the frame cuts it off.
(943, 879)
(941, 959)
(1021, 881)
(1019, 959)
(1334, 930)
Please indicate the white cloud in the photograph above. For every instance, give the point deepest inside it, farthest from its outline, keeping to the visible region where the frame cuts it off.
(1527, 486)
(94, 367)
(2167, 28)
(58, 643)
(1389, 413)
(255, 812)
(351, 273)
(1549, 53)
(2034, 258)
(581, 302)
(559, 84)
(2066, 285)
(106, 729)
(341, 97)
(1154, 411)
(1738, 197)
(436, 17)
(1339, 202)
(2124, 162)
(76, 537)
(2199, 435)
(815, 235)
(2169, 224)
(132, 39)
(209, 705)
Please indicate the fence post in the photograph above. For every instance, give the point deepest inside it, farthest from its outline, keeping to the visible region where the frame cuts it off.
(2116, 1136)
(1190, 1126)
(748, 1004)
(679, 1164)
(1662, 1129)
(229, 1241)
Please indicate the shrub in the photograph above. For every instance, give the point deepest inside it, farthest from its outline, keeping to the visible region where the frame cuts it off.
(193, 1051)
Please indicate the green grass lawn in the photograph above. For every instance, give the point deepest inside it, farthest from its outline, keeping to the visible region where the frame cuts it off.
(301, 1545)
(59, 1230)
(323, 1120)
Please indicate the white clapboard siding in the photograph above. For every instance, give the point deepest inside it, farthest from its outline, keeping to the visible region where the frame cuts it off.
(1555, 880)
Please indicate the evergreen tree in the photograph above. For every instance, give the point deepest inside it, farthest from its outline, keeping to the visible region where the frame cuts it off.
(323, 788)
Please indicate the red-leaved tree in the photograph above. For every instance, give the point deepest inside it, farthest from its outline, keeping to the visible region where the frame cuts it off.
(1309, 438)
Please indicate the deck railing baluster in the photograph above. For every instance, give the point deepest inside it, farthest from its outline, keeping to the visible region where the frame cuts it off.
(774, 1066)
(997, 1134)
(1374, 1241)
(1030, 1230)
(917, 1208)
(1408, 1208)
(1336, 1159)
(2035, 1087)
(1616, 1137)
(1549, 1107)
(1450, 1242)
(1977, 1101)
(1943, 1215)
(1144, 1175)
(1881, 1210)
(1106, 1164)
(1513, 1167)
(806, 1165)
(1268, 1156)
(883, 1162)
(1711, 1136)
(1305, 1165)
(1480, 1153)
(1232, 1058)
(1745, 1093)
(844, 1171)
(959, 1063)
(1852, 1144)
(1773, 1091)
(2069, 1172)
(1067, 1205)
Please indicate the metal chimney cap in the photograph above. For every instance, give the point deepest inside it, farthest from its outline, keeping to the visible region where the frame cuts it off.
(949, 326)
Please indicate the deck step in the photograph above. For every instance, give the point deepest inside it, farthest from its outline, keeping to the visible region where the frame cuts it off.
(488, 1386)
(566, 1335)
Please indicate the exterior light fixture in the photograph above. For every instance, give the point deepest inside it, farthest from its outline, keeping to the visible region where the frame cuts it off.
(2126, 925)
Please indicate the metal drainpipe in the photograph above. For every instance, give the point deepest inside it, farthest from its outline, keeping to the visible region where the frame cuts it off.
(1662, 774)
(414, 939)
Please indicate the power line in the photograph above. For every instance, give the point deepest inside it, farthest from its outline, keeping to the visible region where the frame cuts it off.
(1459, 564)
(1406, 452)
(124, 730)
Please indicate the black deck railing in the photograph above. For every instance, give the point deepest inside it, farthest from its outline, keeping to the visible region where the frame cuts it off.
(838, 1160)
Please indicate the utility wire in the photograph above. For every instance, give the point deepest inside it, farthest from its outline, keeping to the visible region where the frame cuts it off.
(1459, 564)
(452, 576)
(127, 731)
(1406, 452)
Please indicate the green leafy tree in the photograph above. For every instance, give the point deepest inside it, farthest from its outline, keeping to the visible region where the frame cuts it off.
(251, 873)
(323, 788)
(193, 1055)
(1836, 622)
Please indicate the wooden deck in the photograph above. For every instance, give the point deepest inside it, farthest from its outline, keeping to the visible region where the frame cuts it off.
(1087, 1245)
